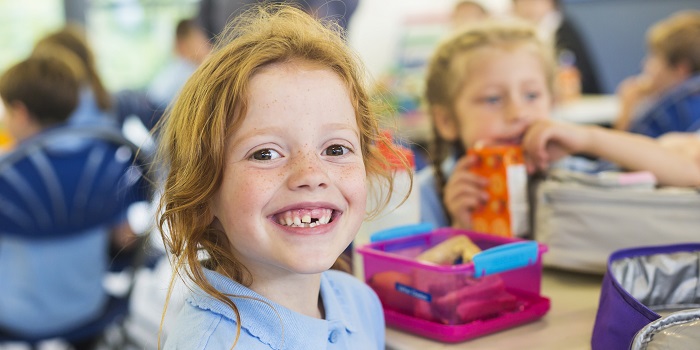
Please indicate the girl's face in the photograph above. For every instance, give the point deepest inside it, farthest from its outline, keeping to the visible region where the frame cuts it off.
(504, 92)
(293, 192)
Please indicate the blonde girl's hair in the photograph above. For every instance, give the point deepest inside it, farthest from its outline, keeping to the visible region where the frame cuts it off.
(72, 37)
(449, 66)
(677, 39)
(212, 105)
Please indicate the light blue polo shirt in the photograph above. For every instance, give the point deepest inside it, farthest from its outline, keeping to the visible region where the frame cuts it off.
(354, 319)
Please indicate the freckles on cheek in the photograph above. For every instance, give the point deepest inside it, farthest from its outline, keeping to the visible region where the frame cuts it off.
(256, 181)
(242, 184)
(355, 177)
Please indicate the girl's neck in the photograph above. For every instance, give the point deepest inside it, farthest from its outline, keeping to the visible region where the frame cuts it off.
(300, 293)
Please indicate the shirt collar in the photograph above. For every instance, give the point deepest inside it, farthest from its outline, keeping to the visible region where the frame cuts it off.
(272, 323)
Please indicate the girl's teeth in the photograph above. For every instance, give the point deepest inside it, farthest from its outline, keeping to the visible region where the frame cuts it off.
(291, 220)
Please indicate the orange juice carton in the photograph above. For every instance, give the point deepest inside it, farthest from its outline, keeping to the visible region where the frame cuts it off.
(507, 211)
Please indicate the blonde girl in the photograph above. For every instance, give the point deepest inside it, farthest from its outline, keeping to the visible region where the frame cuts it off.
(268, 149)
(485, 85)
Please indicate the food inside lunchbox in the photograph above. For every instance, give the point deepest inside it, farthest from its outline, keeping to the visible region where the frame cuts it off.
(456, 300)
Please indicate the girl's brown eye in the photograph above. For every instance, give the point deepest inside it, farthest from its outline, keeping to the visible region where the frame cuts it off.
(265, 154)
(336, 150)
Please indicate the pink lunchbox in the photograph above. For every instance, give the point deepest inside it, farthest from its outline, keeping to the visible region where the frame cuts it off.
(500, 289)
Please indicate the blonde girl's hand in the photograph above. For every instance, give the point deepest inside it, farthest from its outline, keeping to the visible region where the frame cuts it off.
(464, 192)
(547, 141)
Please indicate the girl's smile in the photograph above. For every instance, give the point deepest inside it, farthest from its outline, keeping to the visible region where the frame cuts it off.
(293, 192)
(310, 217)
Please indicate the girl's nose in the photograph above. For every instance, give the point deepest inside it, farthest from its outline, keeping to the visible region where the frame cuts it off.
(516, 110)
(307, 171)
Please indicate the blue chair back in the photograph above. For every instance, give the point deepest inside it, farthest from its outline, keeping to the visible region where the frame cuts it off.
(64, 182)
(69, 180)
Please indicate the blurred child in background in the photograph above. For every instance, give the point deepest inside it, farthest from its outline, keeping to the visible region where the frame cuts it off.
(46, 290)
(485, 85)
(670, 76)
(40, 92)
(95, 103)
(272, 206)
(665, 97)
(191, 48)
(96, 107)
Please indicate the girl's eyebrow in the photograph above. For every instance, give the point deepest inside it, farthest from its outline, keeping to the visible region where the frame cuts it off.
(342, 126)
(238, 139)
(277, 130)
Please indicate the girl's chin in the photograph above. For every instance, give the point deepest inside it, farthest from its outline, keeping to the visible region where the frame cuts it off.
(311, 267)
(307, 259)
(310, 270)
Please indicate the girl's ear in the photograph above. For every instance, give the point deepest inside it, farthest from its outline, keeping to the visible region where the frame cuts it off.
(445, 123)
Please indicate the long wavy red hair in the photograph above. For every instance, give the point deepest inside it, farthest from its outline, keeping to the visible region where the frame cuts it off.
(211, 106)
